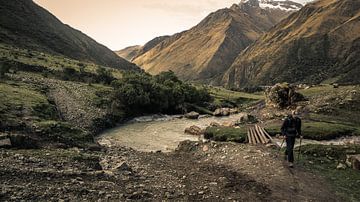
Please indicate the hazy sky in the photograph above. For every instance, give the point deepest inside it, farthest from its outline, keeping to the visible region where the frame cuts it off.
(121, 23)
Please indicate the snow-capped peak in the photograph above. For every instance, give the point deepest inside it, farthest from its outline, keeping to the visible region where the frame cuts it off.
(286, 5)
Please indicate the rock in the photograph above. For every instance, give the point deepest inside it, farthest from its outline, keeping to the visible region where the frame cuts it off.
(228, 124)
(192, 115)
(205, 148)
(194, 130)
(234, 111)
(214, 124)
(122, 166)
(354, 161)
(282, 96)
(271, 145)
(341, 166)
(23, 141)
(246, 118)
(5, 143)
(222, 112)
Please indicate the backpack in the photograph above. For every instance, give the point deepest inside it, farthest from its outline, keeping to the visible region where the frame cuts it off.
(292, 125)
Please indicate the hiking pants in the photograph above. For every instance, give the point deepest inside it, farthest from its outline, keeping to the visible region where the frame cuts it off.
(290, 142)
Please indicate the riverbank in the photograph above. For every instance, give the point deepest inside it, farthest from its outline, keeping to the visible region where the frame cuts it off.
(208, 171)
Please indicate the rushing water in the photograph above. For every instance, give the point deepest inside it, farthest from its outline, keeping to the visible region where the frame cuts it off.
(157, 133)
(154, 133)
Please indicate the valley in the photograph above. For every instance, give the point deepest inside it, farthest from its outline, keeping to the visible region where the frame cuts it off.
(170, 120)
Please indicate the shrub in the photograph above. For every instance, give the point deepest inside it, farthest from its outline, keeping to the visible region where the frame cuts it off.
(164, 93)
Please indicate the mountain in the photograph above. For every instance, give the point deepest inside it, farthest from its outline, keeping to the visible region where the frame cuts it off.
(129, 53)
(24, 24)
(319, 43)
(132, 52)
(207, 50)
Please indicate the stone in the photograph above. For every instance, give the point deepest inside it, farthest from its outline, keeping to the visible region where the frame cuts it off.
(192, 115)
(228, 124)
(282, 96)
(214, 124)
(222, 112)
(194, 130)
(341, 166)
(246, 119)
(354, 161)
(23, 141)
(205, 148)
(122, 166)
(271, 145)
(5, 143)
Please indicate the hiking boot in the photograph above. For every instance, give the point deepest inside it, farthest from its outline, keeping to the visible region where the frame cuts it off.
(291, 165)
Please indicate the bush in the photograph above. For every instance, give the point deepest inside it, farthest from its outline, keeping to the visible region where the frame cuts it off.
(224, 134)
(164, 93)
(104, 75)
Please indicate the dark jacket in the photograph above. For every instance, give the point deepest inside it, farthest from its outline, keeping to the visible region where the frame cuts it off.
(291, 126)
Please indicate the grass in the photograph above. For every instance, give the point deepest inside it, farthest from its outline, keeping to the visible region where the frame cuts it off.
(320, 130)
(322, 160)
(19, 100)
(51, 62)
(325, 89)
(225, 134)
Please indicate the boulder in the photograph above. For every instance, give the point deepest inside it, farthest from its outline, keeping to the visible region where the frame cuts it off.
(353, 161)
(222, 112)
(282, 96)
(228, 124)
(5, 143)
(246, 119)
(122, 166)
(22, 141)
(192, 115)
(214, 124)
(341, 166)
(194, 130)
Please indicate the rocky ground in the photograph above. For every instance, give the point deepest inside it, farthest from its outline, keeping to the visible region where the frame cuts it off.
(195, 171)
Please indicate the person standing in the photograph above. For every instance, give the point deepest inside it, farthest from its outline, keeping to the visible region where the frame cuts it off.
(290, 129)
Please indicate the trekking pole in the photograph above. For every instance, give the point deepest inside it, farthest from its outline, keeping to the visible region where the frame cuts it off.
(299, 149)
(281, 146)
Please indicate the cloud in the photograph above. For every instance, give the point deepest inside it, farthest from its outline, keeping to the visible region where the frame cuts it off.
(197, 7)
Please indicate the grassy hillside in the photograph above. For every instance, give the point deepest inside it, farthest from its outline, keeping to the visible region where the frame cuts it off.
(24, 24)
(319, 43)
(57, 100)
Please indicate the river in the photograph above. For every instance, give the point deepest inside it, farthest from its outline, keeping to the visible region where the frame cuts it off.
(164, 133)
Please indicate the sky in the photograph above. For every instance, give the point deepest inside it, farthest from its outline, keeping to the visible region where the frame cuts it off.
(121, 23)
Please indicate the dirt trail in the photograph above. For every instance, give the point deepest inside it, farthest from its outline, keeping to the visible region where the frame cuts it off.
(195, 171)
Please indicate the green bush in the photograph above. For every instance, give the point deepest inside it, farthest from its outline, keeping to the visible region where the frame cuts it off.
(224, 134)
(164, 93)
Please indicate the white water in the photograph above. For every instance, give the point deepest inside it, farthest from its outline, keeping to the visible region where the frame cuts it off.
(154, 133)
(164, 133)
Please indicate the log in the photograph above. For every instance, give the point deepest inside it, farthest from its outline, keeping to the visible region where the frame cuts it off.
(255, 135)
(265, 140)
(249, 136)
(253, 140)
(267, 134)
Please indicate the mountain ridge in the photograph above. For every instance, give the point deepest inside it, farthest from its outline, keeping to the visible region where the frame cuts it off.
(205, 51)
(25, 24)
(320, 43)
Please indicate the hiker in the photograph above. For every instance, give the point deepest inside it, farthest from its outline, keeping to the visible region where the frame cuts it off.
(291, 129)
